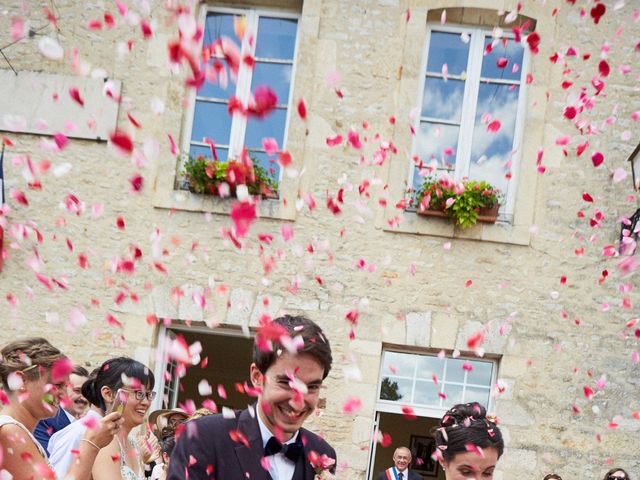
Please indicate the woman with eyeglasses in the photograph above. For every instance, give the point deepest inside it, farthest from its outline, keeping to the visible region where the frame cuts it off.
(120, 384)
(33, 374)
(468, 443)
(616, 474)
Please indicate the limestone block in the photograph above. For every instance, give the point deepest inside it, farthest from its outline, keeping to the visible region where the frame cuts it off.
(514, 366)
(241, 306)
(444, 331)
(144, 306)
(272, 308)
(393, 330)
(356, 456)
(518, 460)
(493, 342)
(366, 347)
(362, 429)
(163, 304)
(216, 309)
(512, 413)
(301, 303)
(418, 327)
(188, 308)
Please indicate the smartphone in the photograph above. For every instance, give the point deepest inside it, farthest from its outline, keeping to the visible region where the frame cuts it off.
(120, 400)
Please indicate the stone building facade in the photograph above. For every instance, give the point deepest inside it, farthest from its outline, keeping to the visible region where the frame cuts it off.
(533, 284)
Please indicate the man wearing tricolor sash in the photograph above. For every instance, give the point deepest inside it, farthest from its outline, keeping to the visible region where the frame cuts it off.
(400, 469)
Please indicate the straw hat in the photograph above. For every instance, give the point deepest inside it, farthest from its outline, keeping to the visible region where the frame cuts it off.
(159, 418)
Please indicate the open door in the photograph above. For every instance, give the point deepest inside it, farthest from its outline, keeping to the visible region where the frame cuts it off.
(225, 359)
(413, 434)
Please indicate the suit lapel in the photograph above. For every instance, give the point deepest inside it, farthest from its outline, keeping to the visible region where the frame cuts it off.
(304, 470)
(249, 458)
(61, 420)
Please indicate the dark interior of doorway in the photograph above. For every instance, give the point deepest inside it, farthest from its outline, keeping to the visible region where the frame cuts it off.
(228, 358)
(405, 433)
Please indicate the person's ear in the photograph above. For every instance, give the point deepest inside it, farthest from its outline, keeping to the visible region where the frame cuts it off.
(107, 394)
(257, 377)
(23, 380)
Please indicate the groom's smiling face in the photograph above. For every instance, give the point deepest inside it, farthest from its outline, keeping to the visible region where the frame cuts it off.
(290, 392)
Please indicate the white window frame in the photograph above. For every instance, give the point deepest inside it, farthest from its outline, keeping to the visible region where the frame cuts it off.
(243, 85)
(389, 406)
(467, 117)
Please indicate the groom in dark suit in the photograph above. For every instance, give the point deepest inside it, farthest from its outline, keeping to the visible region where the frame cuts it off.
(291, 358)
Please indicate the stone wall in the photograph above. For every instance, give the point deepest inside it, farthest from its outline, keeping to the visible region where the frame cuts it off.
(425, 292)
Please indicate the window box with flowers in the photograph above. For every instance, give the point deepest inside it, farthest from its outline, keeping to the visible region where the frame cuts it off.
(466, 202)
(214, 177)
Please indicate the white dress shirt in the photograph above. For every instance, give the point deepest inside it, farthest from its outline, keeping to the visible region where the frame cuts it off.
(63, 441)
(280, 467)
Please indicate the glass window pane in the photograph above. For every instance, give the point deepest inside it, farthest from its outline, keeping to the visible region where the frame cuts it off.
(218, 90)
(274, 75)
(211, 120)
(454, 395)
(429, 366)
(449, 48)
(437, 142)
(491, 151)
(219, 24)
(400, 364)
(270, 164)
(475, 394)
(426, 393)
(455, 373)
(512, 52)
(271, 126)
(481, 373)
(396, 389)
(442, 100)
(197, 150)
(276, 38)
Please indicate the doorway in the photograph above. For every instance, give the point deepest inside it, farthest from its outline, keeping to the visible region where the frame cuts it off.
(224, 365)
(413, 434)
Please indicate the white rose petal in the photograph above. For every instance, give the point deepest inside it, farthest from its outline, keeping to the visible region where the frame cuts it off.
(50, 48)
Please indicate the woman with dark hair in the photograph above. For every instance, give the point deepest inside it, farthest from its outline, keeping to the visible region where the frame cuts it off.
(34, 374)
(127, 385)
(616, 474)
(468, 443)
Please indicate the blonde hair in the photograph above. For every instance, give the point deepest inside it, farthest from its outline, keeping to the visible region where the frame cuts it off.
(28, 355)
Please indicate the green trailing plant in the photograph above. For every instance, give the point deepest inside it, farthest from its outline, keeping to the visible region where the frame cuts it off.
(205, 176)
(461, 201)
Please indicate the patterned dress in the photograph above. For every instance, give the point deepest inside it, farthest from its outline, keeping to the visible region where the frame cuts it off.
(126, 471)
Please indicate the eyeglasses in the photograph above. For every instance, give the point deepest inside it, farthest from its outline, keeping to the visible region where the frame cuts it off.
(142, 394)
(617, 477)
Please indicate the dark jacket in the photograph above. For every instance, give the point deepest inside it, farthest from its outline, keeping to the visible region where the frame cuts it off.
(213, 447)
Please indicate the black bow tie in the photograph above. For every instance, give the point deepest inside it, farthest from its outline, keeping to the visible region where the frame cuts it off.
(290, 450)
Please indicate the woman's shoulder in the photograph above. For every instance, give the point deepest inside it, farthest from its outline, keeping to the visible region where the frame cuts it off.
(11, 428)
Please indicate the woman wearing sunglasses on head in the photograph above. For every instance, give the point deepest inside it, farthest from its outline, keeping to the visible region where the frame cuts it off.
(468, 443)
(120, 384)
(33, 394)
(616, 474)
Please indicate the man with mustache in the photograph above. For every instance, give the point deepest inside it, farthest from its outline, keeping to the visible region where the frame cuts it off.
(74, 406)
(291, 359)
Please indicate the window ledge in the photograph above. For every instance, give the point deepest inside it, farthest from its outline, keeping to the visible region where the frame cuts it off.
(193, 202)
(499, 232)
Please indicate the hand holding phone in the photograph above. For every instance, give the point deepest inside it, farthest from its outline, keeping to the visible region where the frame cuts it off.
(120, 400)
